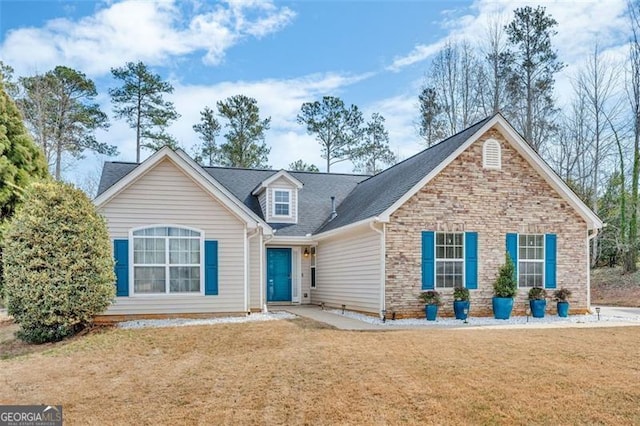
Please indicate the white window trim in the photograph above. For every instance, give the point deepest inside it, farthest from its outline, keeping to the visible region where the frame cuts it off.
(167, 293)
(543, 260)
(435, 260)
(484, 155)
(273, 203)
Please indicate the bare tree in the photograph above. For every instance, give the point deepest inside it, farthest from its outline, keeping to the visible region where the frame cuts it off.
(495, 67)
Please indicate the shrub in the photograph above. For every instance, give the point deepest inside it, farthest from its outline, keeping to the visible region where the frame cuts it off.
(430, 297)
(58, 266)
(537, 293)
(460, 293)
(562, 294)
(505, 284)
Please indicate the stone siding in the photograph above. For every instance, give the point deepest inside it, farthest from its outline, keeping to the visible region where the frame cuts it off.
(466, 197)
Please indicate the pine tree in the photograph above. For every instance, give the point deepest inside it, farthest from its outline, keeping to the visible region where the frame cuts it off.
(245, 146)
(209, 128)
(60, 110)
(139, 100)
(431, 127)
(532, 66)
(374, 153)
(338, 129)
(301, 166)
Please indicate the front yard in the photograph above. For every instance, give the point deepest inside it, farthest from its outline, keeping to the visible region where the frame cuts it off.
(299, 372)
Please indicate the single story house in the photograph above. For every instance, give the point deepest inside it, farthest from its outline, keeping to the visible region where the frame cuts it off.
(192, 240)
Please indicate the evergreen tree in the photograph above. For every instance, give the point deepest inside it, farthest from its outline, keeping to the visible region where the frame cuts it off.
(60, 109)
(6, 78)
(301, 166)
(139, 100)
(431, 126)
(338, 129)
(245, 146)
(21, 162)
(532, 66)
(374, 152)
(209, 128)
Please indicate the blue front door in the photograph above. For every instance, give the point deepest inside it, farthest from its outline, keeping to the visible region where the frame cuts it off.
(278, 275)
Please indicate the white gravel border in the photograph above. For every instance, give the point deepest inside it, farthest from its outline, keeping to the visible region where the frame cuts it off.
(488, 321)
(184, 322)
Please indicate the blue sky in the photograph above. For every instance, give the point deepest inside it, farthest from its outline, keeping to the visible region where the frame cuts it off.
(370, 53)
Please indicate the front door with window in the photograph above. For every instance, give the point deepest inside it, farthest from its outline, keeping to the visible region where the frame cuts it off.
(278, 275)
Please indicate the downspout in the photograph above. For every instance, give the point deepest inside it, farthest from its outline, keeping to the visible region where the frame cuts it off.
(382, 260)
(247, 293)
(589, 238)
(263, 278)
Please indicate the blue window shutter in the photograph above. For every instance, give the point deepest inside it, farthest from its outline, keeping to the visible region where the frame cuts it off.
(210, 268)
(550, 248)
(471, 260)
(428, 260)
(512, 249)
(121, 256)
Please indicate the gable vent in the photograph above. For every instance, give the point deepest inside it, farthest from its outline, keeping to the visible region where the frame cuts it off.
(491, 155)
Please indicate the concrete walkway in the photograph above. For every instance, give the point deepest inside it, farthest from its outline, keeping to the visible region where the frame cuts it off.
(336, 320)
(623, 317)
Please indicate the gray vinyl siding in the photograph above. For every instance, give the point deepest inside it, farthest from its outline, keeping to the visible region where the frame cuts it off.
(348, 271)
(166, 196)
(282, 183)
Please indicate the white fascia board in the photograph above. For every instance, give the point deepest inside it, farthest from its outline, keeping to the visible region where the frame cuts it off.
(385, 215)
(222, 192)
(292, 241)
(523, 148)
(547, 173)
(360, 224)
(202, 178)
(282, 173)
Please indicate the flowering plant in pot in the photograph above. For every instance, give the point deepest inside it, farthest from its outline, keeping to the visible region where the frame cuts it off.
(538, 301)
(431, 300)
(461, 303)
(505, 287)
(561, 296)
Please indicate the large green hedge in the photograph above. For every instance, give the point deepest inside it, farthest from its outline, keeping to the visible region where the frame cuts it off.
(58, 266)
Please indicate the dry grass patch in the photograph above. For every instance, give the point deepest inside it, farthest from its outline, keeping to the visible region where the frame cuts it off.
(297, 372)
(609, 287)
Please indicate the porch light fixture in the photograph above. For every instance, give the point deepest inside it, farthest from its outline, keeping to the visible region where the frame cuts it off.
(306, 252)
(598, 312)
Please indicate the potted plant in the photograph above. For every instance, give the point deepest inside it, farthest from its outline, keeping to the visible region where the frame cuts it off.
(538, 301)
(431, 300)
(505, 288)
(561, 296)
(461, 303)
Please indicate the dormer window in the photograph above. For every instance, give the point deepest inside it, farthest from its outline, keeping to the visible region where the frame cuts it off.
(282, 202)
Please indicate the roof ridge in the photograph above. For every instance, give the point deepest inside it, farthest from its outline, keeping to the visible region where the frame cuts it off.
(430, 147)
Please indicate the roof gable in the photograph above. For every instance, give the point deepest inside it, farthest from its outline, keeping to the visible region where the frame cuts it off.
(128, 175)
(382, 194)
(274, 177)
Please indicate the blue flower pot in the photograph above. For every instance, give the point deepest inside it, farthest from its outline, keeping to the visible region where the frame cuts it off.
(459, 307)
(431, 311)
(563, 309)
(538, 307)
(502, 307)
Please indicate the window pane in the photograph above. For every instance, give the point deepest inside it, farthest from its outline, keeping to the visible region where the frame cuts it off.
(440, 268)
(149, 279)
(440, 239)
(458, 252)
(184, 279)
(449, 252)
(282, 209)
(439, 252)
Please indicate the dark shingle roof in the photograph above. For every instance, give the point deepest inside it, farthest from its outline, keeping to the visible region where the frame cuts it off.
(358, 197)
(314, 202)
(374, 195)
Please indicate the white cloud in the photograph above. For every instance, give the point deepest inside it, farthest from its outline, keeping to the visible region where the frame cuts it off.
(419, 53)
(132, 30)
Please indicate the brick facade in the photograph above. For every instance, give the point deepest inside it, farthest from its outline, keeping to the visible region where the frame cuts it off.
(466, 197)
